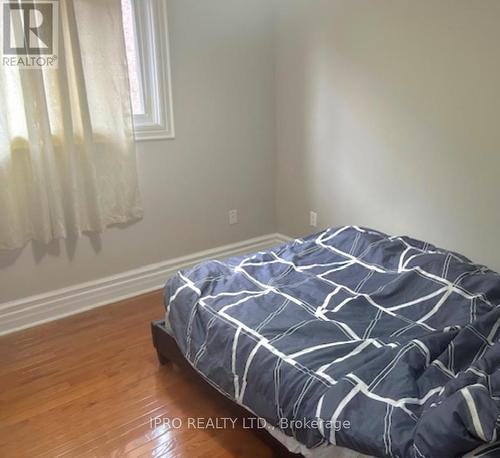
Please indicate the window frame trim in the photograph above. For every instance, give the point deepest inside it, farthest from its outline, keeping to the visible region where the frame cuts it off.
(152, 38)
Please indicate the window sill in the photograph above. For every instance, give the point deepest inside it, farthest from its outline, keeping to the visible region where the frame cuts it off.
(154, 132)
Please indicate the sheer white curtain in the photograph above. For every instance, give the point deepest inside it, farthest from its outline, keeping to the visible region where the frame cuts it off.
(67, 157)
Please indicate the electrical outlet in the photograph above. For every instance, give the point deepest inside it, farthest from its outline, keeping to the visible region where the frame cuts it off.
(233, 217)
(313, 219)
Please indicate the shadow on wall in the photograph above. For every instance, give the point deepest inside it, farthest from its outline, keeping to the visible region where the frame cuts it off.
(388, 119)
(41, 250)
(53, 249)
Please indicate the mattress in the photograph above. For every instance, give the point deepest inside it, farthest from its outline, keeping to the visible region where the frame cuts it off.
(329, 451)
(384, 345)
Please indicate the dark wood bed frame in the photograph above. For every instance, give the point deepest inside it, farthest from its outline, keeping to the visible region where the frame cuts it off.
(168, 352)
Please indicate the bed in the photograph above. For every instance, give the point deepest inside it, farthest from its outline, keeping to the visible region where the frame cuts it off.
(347, 343)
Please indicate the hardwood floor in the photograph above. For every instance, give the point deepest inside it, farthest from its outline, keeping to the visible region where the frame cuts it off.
(90, 384)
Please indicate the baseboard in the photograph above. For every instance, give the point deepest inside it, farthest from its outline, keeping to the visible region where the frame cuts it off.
(34, 310)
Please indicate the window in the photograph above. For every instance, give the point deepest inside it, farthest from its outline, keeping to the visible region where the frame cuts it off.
(146, 38)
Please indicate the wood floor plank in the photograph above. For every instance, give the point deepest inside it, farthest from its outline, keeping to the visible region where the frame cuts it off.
(88, 386)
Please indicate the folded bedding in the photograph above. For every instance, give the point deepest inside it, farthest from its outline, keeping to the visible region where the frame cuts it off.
(385, 345)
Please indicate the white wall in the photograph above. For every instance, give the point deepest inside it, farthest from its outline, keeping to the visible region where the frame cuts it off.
(222, 158)
(388, 115)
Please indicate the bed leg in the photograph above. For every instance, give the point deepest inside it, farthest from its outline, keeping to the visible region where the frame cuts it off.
(162, 360)
(282, 452)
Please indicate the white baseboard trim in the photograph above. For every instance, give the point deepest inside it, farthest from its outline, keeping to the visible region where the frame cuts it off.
(35, 310)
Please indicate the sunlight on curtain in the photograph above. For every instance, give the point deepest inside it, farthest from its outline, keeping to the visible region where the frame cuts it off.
(132, 49)
(67, 157)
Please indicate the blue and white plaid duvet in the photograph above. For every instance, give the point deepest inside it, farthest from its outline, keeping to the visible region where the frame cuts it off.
(385, 345)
